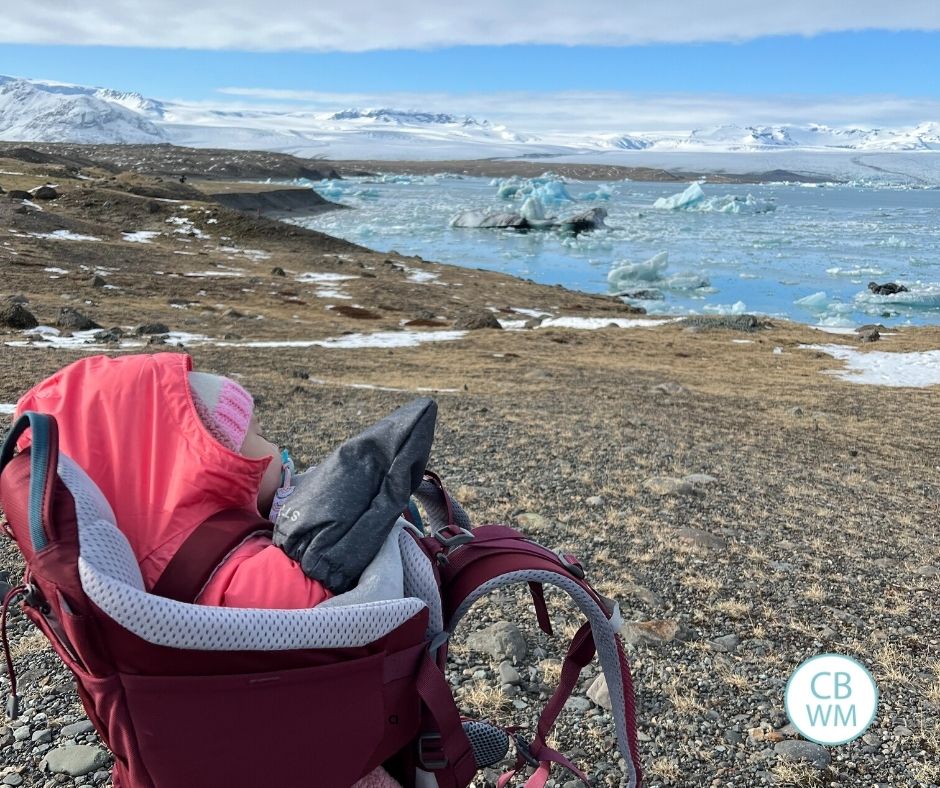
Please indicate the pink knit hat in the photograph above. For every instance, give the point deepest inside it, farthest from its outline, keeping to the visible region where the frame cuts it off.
(224, 407)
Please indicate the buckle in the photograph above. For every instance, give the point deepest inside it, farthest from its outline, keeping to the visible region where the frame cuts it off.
(571, 563)
(522, 747)
(461, 536)
(431, 755)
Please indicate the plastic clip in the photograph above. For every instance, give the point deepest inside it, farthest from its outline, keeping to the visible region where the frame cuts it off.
(431, 755)
(572, 566)
(460, 536)
(522, 747)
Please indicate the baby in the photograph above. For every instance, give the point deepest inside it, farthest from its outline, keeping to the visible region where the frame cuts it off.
(169, 448)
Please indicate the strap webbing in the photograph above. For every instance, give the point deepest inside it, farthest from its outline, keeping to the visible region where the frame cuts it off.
(443, 727)
(204, 549)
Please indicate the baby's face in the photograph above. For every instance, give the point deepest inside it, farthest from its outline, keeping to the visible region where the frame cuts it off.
(256, 446)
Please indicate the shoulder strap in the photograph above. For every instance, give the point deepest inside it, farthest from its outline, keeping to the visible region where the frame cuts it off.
(499, 556)
(204, 549)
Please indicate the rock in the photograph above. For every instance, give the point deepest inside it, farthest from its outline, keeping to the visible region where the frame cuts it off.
(19, 194)
(664, 486)
(232, 313)
(14, 315)
(594, 501)
(599, 692)
(22, 733)
(44, 193)
(699, 479)
(74, 760)
(355, 312)
(651, 632)
(508, 674)
(888, 288)
(578, 704)
(73, 319)
(96, 281)
(476, 321)
(532, 521)
(278, 271)
(804, 751)
(870, 327)
(870, 335)
(147, 329)
(764, 733)
(76, 729)
(649, 294)
(730, 322)
(13, 779)
(42, 737)
(726, 643)
(591, 219)
(701, 538)
(669, 387)
(646, 596)
(502, 640)
(927, 571)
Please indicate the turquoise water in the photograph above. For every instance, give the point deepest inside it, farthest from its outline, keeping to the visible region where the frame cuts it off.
(801, 252)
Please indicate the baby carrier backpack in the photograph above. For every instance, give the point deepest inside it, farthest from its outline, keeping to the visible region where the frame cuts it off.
(193, 696)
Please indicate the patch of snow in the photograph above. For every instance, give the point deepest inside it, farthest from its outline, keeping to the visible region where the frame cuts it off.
(416, 275)
(742, 341)
(54, 270)
(531, 312)
(333, 293)
(5, 407)
(323, 277)
(230, 273)
(64, 235)
(141, 236)
(883, 368)
(379, 339)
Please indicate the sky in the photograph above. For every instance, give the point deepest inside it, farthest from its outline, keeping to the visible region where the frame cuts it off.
(616, 64)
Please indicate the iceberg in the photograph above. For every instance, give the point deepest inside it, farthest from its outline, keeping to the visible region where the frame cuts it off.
(694, 199)
(815, 301)
(685, 200)
(624, 278)
(651, 270)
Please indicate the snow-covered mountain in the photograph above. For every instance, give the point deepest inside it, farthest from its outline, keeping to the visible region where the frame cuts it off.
(52, 112)
(32, 110)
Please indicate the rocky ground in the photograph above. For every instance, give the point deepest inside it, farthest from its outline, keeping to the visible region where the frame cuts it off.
(746, 510)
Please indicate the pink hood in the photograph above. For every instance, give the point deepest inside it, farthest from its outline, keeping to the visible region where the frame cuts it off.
(131, 424)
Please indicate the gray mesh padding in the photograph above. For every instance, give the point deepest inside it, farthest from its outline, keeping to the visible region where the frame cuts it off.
(420, 581)
(111, 579)
(604, 639)
(430, 498)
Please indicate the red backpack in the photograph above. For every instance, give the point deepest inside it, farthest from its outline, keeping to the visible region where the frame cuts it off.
(179, 692)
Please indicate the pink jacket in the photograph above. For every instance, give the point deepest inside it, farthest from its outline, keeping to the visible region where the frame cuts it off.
(130, 423)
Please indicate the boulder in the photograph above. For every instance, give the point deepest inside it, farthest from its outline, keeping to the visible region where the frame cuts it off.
(44, 193)
(15, 315)
(148, 329)
(19, 194)
(502, 640)
(74, 320)
(474, 321)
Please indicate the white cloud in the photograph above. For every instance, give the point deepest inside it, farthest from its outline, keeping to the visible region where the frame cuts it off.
(579, 112)
(359, 25)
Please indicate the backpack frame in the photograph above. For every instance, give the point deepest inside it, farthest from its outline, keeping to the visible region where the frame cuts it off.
(178, 692)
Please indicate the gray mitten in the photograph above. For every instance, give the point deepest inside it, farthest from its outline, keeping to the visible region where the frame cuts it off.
(342, 510)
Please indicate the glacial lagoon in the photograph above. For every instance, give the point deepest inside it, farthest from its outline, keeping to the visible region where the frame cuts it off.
(797, 251)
